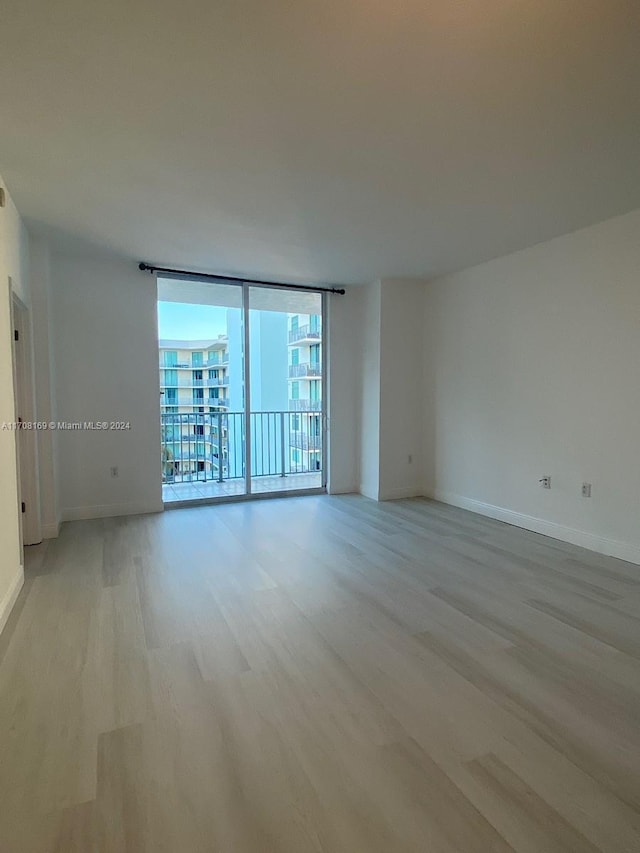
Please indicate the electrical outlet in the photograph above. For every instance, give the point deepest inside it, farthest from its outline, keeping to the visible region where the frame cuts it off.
(114, 471)
(586, 490)
(545, 482)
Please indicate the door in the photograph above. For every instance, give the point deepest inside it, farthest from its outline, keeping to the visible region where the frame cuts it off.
(202, 390)
(26, 436)
(241, 390)
(286, 399)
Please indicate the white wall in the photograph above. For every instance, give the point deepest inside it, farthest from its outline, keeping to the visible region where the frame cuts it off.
(401, 388)
(532, 369)
(391, 388)
(13, 264)
(44, 376)
(344, 391)
(106, 359)
(370, 298)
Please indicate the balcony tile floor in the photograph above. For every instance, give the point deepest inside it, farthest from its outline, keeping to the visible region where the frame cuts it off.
(260, 485)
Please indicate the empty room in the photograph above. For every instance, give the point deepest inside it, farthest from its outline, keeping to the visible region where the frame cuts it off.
(319, 423)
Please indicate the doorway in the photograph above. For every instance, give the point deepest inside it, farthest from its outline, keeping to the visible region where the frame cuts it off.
(25, 433)
(242, 397)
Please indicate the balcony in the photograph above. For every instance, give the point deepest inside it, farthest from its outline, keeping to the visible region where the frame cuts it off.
(193, 466)
(185, 365)
(304, 333)
(204, 383)
(305, 405)
(300, 371)
(305, 441)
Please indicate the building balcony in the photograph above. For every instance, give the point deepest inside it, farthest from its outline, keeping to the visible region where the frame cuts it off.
(304, 333)
(194, 467)
(300, 371)
(185, 365)
(305, 405)
(205, 383)
(305, 441)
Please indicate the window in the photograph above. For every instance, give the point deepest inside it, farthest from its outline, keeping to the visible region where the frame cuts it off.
(295, 321)
(196, 359)
(170, 377)
(197, 375)
(314, 389)
(314, 322)
(198, 393)
(314, 426)
(295, 356)
(314, 354)
(169, 358)
(198, 429)
(295, 423)
(295, 390)
(171, 396)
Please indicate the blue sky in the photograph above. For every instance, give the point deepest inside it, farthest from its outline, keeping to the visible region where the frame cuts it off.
(184, 321)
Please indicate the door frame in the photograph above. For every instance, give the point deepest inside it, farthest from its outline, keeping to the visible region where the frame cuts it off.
(322, 488)
(249, 494)
(24, 410)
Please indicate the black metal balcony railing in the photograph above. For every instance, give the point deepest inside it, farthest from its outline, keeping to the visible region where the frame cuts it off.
(301, 370)
(282, 444)
(304, 332)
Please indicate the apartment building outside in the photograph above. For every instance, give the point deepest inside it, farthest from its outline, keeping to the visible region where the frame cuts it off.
(194, 386)
(305, 390)
(202, 401)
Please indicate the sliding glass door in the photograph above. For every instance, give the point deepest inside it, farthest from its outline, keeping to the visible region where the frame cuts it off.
(202, 390)
(286, 396)
(242, 371)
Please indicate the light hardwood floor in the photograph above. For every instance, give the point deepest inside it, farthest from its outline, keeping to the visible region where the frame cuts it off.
(320, 674)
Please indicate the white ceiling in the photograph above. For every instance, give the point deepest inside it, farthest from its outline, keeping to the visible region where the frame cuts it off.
(333, 140)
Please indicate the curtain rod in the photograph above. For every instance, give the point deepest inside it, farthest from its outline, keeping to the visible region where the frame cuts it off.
(233, 280)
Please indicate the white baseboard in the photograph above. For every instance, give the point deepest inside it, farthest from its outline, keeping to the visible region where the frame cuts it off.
(401, 492)
(342, 490)
(368, 493)
(51, 531)
(84, 513)
(601, 544)
(9, 598)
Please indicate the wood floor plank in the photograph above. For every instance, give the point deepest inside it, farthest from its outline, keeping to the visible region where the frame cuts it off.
(321, 674)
